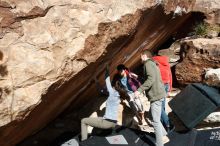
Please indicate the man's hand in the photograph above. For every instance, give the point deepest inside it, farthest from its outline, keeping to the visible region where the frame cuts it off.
(133, 75)
(137, 93)
(107, 71)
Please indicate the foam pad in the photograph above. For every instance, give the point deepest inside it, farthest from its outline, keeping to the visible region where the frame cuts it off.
(123, 136)
(195, 137)
(118, 137)
(195, 103)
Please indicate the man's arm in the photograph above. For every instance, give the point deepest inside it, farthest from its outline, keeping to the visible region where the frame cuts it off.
(133, 75)
(107, 80)
(150, 73)
(102, 90)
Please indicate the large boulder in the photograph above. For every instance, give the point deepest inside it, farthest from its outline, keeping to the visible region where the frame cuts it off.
(172, 52)
(197, 56)
(43, 45)
(210, 8)
(47, 51)
(50, 50)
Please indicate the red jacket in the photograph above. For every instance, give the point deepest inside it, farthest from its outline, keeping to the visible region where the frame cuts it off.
(164, 66)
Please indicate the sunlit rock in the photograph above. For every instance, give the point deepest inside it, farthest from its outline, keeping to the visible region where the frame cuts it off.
(212, 77)
(50, 51)
(197, 55)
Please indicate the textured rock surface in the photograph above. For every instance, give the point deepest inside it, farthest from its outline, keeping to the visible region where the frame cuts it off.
(197, 55)
(213, 118)
(210, 8)
(43, 45)
(172, 52)
(212, 77)
(51, 49)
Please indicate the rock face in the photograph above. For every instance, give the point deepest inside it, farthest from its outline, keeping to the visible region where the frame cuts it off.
(210, 8)
(172, 52)
(43, 45)
(212, 119)
(50, 50)
(197, 55)
(212, 77)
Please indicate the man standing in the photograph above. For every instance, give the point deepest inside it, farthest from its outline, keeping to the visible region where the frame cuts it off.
(154, 88)
(166, 76)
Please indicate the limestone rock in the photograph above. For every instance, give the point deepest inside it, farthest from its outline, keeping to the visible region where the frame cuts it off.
(197, 55)
(212, 77)
(172, 52)
(213, 118)
(209, 8)
(50, 50)
(43, 44)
